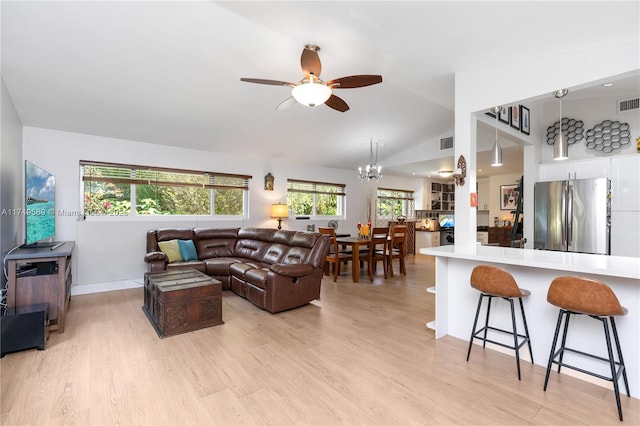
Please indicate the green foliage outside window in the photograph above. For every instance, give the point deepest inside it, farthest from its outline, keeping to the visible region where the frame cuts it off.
(315, 198)
(108, 191)
(392, 203)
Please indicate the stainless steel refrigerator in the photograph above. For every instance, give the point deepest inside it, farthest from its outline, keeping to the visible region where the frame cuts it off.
(573, 215)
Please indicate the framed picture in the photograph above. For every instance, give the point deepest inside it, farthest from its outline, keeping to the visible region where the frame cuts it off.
(508, 197)
(418, 214)
(505, 115)
(490, 114)
(525, 120)
(515, 116)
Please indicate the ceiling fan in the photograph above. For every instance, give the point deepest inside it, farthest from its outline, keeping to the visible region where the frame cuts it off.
(311, 90)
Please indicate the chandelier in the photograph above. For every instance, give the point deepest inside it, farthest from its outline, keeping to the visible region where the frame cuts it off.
(372, 170)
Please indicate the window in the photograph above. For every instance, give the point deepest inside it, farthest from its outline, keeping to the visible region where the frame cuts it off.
(395, 202)
(127, 190)
(306, 198)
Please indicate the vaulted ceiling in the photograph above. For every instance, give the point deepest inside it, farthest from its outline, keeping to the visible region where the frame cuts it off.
(169, 72)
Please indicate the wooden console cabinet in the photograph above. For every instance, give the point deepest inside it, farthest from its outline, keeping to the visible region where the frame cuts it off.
(41, 275)
(500, 235)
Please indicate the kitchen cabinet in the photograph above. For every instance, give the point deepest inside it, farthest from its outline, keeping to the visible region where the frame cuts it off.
(482, 237)
(581, 169)
(625, 183)
(483, 194)
(426, 239)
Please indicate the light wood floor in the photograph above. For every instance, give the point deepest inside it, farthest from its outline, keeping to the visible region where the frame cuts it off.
(361, 355)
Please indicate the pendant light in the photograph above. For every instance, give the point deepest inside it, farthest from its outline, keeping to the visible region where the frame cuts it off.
(560, 147)
(496, 152)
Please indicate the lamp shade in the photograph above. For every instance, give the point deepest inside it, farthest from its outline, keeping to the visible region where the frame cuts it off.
(496, 154)
(279, 210)
(560, 148)
(310, 93)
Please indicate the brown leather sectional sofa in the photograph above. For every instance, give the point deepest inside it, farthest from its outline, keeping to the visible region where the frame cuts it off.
(274, 269)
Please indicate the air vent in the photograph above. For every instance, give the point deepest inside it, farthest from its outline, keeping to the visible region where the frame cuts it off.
(628, 105)
(446, 143)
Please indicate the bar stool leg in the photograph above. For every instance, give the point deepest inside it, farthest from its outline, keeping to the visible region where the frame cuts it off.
(553, 349)
(526, 329)
(564, 338)
(473, 329)
(614, 376)
(486, 321)
(624, 369)
(515, 336)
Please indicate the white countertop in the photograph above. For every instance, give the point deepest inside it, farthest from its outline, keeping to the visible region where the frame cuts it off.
(613, 266)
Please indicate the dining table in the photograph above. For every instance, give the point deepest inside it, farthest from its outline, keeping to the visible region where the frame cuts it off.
(356, 244)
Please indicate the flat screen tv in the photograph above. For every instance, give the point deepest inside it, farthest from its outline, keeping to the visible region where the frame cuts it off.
(40, 208)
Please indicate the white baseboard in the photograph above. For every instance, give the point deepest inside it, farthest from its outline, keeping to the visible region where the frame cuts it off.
(77, 290)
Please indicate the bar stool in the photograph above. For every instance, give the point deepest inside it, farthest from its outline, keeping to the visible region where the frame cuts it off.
(495, 282)
(583, 296)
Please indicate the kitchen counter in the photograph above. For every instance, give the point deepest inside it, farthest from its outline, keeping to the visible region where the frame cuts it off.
(534, 270)
(606, 266)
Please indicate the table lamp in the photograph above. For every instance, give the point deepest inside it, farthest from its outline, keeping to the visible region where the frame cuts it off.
(279, 211)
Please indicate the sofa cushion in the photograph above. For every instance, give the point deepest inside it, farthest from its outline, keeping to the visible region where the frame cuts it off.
(257, 277)
(187, 250)
(251, 249)
(218, 266)
(192, 264)
(171, 249)
(215, 242)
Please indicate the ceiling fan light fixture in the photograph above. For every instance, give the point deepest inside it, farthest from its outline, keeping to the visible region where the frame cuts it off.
(310, 93)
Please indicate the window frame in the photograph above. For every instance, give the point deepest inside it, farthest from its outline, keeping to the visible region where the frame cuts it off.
(408, 207)
(215, 181)
(341, 198)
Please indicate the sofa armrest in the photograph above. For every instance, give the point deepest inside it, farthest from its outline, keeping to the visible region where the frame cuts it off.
(155, 256)
(292, 270)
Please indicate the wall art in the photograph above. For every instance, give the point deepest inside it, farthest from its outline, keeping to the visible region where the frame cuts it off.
(572, 129)
(607, 136)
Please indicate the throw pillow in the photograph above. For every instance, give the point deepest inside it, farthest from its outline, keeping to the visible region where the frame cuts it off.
(171, 249)
(187, 250)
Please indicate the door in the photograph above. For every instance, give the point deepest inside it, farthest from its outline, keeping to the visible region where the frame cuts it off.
(549, 229)
(589, 213)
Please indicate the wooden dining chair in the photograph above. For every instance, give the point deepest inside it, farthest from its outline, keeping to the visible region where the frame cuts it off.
(397, 247)
(334, 256)
(377, 251)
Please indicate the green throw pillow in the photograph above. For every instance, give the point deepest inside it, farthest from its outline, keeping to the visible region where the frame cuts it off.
(187, 250)
(171, 249)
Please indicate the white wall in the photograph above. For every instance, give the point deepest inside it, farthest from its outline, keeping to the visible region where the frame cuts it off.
(11, 175)
(591, 112)
(479, 90)
(111, 250)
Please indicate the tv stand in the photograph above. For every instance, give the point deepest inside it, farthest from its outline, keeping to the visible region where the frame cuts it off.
(41, 244)
(41, 275)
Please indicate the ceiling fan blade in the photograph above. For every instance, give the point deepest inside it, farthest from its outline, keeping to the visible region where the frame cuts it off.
(354, 81)
(337, 103)
(286, 103)
(310, 61)
(270, 82)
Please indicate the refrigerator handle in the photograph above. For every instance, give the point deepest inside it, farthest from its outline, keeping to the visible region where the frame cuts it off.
(569, 216)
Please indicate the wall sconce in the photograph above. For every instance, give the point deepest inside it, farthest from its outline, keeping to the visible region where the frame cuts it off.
(279, 211)
(268, 182)
(461, 171)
